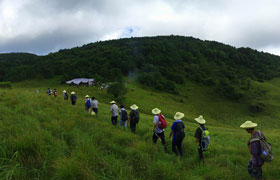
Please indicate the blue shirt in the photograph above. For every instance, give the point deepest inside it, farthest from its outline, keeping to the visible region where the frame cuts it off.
(174, 127)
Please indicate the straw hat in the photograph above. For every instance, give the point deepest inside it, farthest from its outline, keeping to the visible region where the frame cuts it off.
(248, 125)
(134, 107)
(156, 111)
(72, 92)
(178, 115)
(64, 91)
(200, 120)
(87, 96)
(113, 102)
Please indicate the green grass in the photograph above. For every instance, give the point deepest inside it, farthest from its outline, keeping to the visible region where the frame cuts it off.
(43, 137)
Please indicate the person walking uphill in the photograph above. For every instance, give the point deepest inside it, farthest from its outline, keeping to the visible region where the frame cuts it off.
(159, 125)
(65, 94)
(54, 93)
(255, 146)
(178, 132)
(87, 103)
(114, 111)
(123, 117)
(94, 103)
(73, 98)
(202, 137)
(133, 117)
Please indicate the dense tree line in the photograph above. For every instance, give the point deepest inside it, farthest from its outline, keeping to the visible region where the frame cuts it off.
(164, 62)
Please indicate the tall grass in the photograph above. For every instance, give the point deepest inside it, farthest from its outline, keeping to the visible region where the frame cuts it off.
(43, 137)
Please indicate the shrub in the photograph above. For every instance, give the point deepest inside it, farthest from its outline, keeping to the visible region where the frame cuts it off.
(6, 84)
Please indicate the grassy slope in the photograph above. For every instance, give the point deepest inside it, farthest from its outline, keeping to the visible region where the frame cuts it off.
(44, 137)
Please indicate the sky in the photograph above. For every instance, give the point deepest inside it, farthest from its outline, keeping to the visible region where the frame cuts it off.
(44, 26)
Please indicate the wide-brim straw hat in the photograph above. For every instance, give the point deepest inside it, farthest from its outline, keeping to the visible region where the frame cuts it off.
(200, 120)
(64, 91)
(248, 125)
(134, 107)
(179, 116)
(156, 111)
(72, 92)
(113, 102)
(87, 96)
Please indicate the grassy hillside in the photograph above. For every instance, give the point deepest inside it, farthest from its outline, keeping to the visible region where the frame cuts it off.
(162, 62)
(47, 138)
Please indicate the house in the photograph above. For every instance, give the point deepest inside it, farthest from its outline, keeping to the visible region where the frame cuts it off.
(81, 81)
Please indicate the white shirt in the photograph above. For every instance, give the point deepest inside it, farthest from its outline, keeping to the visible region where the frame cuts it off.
(156, 121)
(94, 103)
(114, 109)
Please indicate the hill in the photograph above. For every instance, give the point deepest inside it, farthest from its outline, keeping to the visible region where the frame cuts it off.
(164, 63)
(47, 138)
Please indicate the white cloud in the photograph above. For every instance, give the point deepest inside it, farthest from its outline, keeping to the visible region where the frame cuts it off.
(67, 23)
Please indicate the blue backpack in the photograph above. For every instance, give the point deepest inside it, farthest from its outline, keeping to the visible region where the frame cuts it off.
(88, 103)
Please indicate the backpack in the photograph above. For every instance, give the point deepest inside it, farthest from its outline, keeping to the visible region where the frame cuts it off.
(88, 103)
(162, 122)
(180, 133)
(124, 115)
(135, 116)
(266, 150)
(205, 139)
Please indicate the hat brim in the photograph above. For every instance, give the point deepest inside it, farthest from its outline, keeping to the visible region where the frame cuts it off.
(179, 116)
(156, 111)
(248, 126)
(134, 107)
(200, 121)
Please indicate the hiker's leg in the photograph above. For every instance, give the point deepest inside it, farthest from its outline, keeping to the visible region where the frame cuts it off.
(163, 141)
(132, 126)
(155, 138)
(258, 172)
(113, 120)
(161, 135)
(250, 168)
(200, 153)
(174, 147)
(179, 146)
(120, 123)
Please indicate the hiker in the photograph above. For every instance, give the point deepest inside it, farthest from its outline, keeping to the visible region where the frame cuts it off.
(94, 104)
(178, 132)
(133, 117)
(159, 125)
(87, 103)
(54, 93)
(73, 98)
(65, 94)
(202, 137)
(123, 117)
(114, 111)
(49, 91)
(255, 164)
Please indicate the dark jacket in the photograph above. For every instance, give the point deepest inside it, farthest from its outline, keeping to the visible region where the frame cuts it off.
(255, 149)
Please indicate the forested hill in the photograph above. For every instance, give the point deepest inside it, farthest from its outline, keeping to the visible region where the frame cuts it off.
(163, 62)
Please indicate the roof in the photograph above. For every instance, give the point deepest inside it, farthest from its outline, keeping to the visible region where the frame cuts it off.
(79, 80)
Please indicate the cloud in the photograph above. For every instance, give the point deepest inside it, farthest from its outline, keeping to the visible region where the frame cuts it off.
(45, 26)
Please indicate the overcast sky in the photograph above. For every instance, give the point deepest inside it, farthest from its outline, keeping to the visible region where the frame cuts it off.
(44, 26)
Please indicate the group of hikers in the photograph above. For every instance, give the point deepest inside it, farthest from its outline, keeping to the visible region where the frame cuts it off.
(259, 148)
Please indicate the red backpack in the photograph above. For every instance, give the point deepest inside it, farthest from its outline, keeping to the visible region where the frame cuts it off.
(162, 122)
